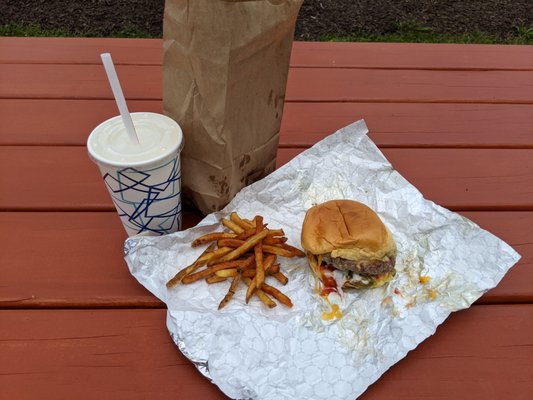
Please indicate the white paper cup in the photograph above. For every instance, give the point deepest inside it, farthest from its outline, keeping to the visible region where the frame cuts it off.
(144, 180)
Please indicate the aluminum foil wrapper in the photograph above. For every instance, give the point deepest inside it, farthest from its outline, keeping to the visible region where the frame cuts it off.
(445, 262)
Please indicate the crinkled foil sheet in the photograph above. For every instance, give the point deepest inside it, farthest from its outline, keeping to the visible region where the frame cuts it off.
(251, 352)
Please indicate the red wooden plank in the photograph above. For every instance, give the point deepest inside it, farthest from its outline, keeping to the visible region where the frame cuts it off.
(410, 86)
(31, 50)
(77, 81)
(63, 178)
(413, 125)
(75, 259)
(59, 122)
(68, 122)
(304, 54)
(127, 354)
(69, 260)
(411, 55)
(361, 85)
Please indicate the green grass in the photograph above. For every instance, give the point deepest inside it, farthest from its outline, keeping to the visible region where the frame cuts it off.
(406, 31)
(30, 30)
(415, 32)
(468, 38)
(36, 30)
(525, 32)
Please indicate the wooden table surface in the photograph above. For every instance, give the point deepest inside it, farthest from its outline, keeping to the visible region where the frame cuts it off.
(455, 120)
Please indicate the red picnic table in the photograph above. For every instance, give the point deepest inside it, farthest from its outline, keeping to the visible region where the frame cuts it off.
(455, 120)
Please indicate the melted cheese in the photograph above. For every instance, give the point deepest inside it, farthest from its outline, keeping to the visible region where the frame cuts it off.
(334, 313)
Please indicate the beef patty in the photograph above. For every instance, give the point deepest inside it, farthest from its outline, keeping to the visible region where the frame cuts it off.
(363, 268)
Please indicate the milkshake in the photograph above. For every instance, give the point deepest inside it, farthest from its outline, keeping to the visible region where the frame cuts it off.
(143, 179)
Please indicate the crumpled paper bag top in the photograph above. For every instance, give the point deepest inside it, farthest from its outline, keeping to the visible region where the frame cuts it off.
(252, 352)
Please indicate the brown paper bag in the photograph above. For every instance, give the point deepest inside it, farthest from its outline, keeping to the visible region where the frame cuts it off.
(225, 71)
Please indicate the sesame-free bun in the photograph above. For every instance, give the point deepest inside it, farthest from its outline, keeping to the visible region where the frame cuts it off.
(346, 229)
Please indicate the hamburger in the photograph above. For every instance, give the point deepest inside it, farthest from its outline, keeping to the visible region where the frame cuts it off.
(348, 246)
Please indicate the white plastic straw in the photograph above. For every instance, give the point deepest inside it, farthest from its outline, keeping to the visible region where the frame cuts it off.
(119, 96)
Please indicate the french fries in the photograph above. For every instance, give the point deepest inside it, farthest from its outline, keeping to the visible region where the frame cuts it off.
(202, 260)
(274, 240)
(243, 224)
(246, 253)
(258, 251)
(231, 291)
(205, 273)
(215, 279)
(246, 234)
(250, 273)
(232, 225)
(227, 273)
(233, 243)
(277, 294)
(252, 286)
(262, 295)
(296, 252)
(217, 254)
(280, 251)
(280, 277)
(247, 245)
(210, 237)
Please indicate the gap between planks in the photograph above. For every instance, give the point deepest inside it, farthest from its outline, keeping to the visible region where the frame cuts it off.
(156, 305)
(305, 101)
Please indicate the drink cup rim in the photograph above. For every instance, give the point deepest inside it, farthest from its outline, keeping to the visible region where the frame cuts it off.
(154, 161)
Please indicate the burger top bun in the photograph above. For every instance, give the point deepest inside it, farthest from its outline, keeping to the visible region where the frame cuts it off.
(346, 229)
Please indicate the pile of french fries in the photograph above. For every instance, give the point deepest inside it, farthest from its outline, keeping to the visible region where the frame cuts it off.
(247, 253)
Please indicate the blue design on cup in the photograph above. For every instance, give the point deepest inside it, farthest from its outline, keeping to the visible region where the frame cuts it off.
(144, 201)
